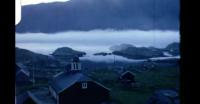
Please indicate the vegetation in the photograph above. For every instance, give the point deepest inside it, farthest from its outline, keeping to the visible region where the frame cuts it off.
(148, 83)
(165, 76)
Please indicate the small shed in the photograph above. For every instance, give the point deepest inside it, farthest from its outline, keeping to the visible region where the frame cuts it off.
(148, 65)
(127, 78)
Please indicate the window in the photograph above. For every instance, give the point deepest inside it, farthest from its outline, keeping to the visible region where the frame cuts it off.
(84, 85)
(74, 66)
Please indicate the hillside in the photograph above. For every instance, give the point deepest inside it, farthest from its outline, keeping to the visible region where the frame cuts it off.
(173, 48)
(31, 58)
(133, 52)
(66, 54)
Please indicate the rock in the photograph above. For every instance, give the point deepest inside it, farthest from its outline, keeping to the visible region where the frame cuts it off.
(102, 53)
(164, 97)
(133, 52)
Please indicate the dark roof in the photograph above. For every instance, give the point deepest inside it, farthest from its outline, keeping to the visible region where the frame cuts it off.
(41, 96)
(64, 80)
(21, 98)
(126, 72)
(75, 59)
(19, 70)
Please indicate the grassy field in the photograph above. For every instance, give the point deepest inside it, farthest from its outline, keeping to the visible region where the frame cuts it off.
(148, 83)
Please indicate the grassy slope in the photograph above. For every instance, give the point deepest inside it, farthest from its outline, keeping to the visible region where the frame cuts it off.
(149, 82)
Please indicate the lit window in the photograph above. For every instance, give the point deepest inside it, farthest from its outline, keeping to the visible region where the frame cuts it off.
(84, 85)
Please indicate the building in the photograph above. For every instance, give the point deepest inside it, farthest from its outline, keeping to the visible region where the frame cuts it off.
(127, 79)
(25, 98)
(22, 76)
(73, 87)
(148, 65)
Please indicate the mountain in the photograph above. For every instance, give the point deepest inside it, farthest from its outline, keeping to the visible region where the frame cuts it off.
(100, 14)
(173, 48)
(66, 53)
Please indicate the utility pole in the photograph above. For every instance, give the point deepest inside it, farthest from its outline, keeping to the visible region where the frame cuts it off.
(114, 61)
(33, 73)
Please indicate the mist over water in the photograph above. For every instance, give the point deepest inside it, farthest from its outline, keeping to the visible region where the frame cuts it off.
(94, 41)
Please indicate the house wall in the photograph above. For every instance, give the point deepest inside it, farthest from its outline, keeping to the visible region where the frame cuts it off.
(22, 79)
(75, 66)
(29, 101)
(93, 94)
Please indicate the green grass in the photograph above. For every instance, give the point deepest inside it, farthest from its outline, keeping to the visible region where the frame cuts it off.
(129, 97)
(148, 81)
(39, 83)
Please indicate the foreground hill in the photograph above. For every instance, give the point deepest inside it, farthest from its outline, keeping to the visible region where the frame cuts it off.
(28, 57)
(58, 58)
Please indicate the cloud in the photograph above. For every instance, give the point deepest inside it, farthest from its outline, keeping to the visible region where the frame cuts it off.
(30, 2)
(87, 15)
(100, 38)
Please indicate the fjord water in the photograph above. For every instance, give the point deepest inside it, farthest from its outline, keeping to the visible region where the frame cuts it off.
(95, 41)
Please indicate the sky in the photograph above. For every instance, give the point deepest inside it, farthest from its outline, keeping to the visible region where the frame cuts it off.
(28, 2)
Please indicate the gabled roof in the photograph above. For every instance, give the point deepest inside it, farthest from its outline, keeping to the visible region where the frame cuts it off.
(41, 96)
(19, 70)
(127, 72)
(65, 80)
(75, 59)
